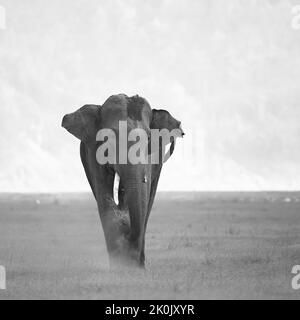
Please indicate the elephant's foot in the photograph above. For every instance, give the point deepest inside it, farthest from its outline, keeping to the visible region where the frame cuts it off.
(126, 258)
(121, 263)
(122, 250)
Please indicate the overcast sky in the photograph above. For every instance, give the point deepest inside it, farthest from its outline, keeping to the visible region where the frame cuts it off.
(229, 70)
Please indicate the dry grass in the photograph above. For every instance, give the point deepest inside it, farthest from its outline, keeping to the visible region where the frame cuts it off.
(209, 246)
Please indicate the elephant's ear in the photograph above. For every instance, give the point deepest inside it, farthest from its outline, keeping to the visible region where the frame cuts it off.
(166, 124)
(83, 123)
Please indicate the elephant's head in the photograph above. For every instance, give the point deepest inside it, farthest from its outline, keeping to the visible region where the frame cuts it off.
(124, 222)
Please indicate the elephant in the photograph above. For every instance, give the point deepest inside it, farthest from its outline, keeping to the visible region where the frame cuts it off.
(124, 223)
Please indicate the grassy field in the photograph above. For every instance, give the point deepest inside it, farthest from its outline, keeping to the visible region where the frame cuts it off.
(199, 246)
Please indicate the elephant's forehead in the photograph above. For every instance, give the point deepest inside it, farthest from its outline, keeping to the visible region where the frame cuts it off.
(118, 102)
(121, 108)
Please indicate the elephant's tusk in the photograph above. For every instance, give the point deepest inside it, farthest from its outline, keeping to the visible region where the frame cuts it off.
(116, 188)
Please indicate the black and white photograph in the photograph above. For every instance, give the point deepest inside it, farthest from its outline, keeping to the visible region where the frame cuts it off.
(150, 150)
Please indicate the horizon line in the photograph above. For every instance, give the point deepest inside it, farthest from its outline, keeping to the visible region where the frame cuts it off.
(159, 191)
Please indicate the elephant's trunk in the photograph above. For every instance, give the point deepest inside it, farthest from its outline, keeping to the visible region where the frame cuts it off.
(136, 180)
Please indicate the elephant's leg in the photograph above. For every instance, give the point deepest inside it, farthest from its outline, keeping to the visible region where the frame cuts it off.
(107, 209)
(113, 226)
(101, 179)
